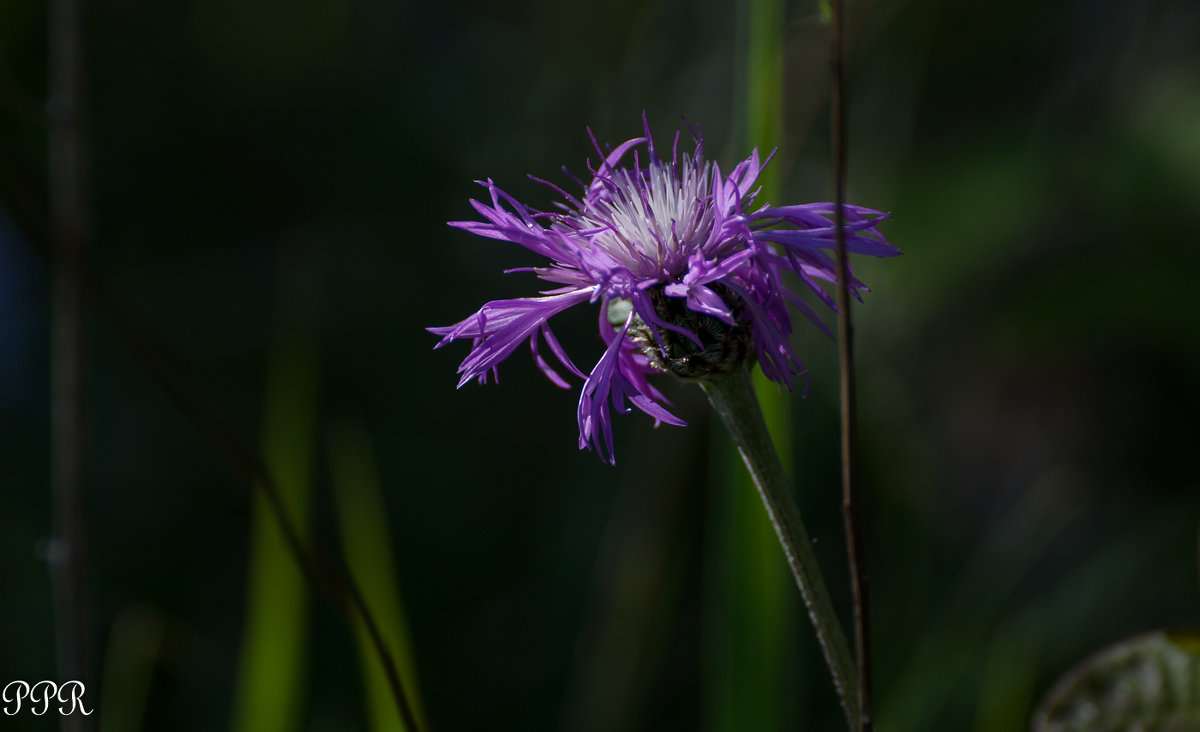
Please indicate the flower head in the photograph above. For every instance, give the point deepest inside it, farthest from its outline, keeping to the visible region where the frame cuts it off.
(686, 271)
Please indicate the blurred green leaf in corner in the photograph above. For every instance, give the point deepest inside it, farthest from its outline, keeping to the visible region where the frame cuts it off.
(362, 516)
(134, 648)
(1149, 682)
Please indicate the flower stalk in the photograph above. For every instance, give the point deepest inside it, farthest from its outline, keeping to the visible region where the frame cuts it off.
(68, 229)
(849, 408)
(731, 394)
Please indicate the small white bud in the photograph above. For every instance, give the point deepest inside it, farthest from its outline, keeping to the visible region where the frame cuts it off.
(618, 311)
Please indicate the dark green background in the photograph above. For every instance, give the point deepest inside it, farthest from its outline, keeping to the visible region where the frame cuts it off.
(1029, 367)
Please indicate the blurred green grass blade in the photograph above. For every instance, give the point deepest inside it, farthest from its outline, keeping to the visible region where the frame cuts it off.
(134, 644)
(625, 641)
(1007, 688)
(362, 516)
(1150, 681)
(945, 653)
(825, 9)
(764, 83)
(750, 633)
(752, 610)
(942, 663)
(270, 690)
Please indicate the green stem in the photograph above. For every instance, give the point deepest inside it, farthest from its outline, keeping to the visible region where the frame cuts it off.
(732, 396)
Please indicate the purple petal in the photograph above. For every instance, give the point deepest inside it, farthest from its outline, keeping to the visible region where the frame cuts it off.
(614, 379)
(594, 417)
(545, 367)
(827, 239)
(500, 326)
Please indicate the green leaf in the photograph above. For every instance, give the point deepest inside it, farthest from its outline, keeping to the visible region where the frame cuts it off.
(751, 615)
(367, 544)
(270, 693)
(1148, 682)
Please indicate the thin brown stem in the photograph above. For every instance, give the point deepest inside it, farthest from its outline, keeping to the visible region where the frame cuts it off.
(151, 353)
(155, 359)
(68, 238)
(850, 512)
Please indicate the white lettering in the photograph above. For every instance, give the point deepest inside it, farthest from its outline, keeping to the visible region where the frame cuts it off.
(44, 692)
(41, 695)
(76, 698)
(22, 691)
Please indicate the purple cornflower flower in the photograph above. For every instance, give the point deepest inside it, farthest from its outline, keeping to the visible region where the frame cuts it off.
(686, 271)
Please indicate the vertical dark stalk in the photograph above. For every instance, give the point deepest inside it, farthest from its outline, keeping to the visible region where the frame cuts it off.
(68, 235)
(850, 514)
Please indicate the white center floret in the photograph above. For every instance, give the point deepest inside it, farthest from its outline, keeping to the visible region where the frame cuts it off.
(655, 221)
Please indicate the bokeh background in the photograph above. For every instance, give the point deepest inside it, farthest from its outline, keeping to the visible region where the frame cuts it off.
(269, 183)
